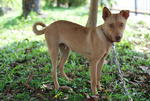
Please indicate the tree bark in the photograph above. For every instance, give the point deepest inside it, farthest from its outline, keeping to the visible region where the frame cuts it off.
(92, 19)
(29, 5)
(36, 6)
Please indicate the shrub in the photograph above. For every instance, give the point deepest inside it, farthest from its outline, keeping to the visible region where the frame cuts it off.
(70, 3)
(77, 2)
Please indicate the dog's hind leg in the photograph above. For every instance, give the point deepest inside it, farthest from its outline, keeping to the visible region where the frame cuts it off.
(64, 55)
(53, 50)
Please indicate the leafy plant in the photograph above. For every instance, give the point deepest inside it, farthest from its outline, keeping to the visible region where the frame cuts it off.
(70, 3)
(108, 3)
(9, 3)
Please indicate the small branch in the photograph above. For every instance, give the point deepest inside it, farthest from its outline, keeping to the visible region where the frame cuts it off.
(28, 81)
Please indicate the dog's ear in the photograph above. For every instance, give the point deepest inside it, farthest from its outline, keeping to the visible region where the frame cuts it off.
(106, 13)
(125, 13)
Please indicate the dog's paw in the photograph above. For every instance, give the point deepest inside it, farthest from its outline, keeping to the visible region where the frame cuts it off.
(56, 87)
(99, 87)
(67, 78)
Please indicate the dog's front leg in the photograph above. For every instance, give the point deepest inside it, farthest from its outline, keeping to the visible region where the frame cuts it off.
(93, 75)
(99, 73)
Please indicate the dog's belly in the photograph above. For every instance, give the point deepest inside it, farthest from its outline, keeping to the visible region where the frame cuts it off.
(85, 53)
(79, 47)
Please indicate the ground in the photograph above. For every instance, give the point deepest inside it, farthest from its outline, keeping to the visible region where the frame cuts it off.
(25, 67)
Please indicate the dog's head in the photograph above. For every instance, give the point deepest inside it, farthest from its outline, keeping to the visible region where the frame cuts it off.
(114, 24)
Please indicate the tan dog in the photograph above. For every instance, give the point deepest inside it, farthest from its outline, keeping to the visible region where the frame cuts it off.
(93, 43)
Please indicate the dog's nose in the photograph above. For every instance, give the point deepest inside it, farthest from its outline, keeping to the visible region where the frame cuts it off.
(118, 38)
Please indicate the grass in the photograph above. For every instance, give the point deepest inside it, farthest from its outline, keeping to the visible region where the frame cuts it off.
(25, 67)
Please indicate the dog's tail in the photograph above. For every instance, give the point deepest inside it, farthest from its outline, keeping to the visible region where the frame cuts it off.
(39, 32)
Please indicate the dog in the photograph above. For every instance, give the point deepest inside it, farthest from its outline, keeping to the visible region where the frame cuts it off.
(92, 43)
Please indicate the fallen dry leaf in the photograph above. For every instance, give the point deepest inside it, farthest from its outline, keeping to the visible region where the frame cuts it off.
(47, 86)
(145, 69)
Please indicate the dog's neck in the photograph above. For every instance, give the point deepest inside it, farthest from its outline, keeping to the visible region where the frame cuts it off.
(106, 36)
(102, 34)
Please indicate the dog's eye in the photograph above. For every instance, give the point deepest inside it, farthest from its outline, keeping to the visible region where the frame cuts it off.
(111, 25)
(121, 25)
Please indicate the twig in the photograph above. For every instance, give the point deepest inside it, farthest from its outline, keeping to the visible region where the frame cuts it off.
(28, 81)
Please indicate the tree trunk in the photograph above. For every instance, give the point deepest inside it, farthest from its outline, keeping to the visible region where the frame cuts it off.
(29, 5)
(57, 3)
(92, 19)
(36, 6)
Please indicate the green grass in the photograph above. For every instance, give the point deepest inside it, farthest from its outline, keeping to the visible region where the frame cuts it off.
(25, 65)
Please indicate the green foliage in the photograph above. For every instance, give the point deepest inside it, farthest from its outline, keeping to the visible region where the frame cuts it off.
(5, 2)
(107, 3)
(70, 3)
(49, 3)
(15, 4)
(77, 2)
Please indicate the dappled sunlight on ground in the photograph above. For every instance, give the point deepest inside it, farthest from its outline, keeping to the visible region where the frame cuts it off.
(138, 33)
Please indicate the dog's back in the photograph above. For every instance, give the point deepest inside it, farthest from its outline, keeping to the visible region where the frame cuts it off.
(70, 34)
(69, 27)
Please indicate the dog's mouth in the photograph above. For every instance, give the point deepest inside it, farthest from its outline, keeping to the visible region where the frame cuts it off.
(118, 40)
